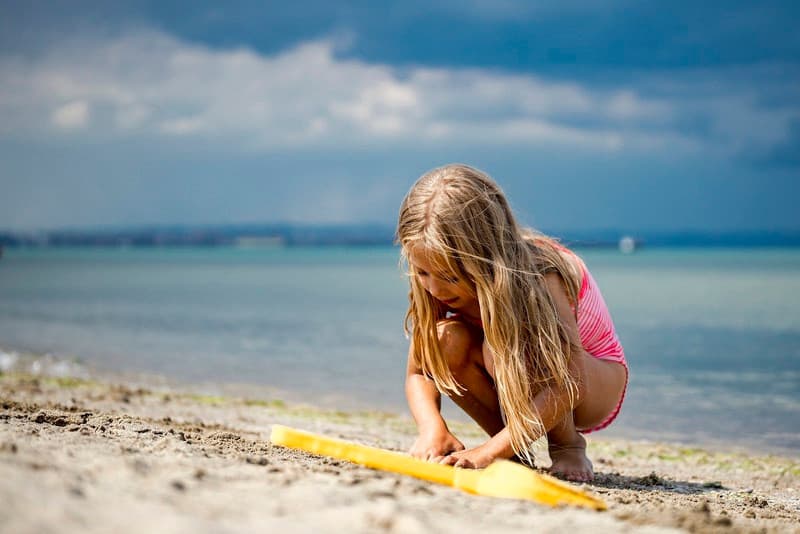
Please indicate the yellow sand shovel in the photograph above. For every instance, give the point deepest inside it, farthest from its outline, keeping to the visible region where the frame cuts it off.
(501, 479)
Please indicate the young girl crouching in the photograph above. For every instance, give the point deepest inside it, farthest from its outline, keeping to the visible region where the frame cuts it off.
(506, 322)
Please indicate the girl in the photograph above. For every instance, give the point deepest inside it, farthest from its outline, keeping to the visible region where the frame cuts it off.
(507, 323)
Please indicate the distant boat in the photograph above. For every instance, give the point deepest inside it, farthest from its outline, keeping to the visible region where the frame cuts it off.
(627, 244)
(259, 241)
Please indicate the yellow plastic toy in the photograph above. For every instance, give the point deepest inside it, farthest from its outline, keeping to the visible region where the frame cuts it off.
(501, 479)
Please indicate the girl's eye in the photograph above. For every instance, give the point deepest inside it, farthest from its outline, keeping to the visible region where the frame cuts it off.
(447, 278)
(442, 277)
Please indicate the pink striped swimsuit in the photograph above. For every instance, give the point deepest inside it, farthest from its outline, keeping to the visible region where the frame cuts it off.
(596, 330)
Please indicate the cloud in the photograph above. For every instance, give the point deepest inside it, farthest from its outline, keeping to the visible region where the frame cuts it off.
(152, 85)
(72, 115)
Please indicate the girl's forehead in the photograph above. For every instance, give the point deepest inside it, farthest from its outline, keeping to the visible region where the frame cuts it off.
(427, 258)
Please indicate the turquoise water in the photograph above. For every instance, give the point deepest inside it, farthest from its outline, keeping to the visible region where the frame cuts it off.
(712, 336)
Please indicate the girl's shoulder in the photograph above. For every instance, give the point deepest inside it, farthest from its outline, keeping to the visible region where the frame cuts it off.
(550, 255)
(553, 258)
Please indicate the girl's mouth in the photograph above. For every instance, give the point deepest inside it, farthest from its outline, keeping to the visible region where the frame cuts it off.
(451, 301)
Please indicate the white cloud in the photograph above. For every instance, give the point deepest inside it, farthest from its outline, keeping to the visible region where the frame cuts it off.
(183, 126)
(132, 116)
(72, 115)
(626, 104)
(153, 85)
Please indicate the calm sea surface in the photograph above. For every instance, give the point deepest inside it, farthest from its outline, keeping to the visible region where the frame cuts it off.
(712, 335)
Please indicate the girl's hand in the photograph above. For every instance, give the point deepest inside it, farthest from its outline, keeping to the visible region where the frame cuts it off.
(432, 446)
(476, 458)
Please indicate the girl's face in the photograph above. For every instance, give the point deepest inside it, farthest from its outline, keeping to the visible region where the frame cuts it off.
(453, 292)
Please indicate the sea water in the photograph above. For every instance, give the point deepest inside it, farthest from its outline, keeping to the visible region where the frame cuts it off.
(712, 336)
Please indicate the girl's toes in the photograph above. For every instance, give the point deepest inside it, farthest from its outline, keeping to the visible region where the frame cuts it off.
(572, 475)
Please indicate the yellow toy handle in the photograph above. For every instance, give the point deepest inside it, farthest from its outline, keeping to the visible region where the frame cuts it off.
(501, 479)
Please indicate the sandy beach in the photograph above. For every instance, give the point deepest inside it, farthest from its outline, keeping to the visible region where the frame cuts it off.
(95, 456)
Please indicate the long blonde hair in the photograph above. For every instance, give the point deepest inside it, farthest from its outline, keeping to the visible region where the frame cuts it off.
(462, 216)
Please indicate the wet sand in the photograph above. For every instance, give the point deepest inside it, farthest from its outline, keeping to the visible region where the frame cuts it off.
(88, 456)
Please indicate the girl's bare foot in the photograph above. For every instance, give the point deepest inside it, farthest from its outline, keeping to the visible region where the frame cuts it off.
(570, 461)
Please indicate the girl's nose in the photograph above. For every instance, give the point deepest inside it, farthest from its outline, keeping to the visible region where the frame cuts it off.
(435, 288)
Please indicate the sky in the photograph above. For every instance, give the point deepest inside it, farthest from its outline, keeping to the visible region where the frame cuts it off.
(606, 114)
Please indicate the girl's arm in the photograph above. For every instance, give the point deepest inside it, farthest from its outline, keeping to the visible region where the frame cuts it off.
(552, 404)
(425, 401)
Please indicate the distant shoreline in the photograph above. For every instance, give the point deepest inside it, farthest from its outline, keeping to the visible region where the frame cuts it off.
(363, 235)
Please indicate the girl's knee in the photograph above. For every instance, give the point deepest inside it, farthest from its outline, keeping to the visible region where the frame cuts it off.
(455, 342)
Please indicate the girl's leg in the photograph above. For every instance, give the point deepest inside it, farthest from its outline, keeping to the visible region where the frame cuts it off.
(602, 384)
(461, 345)
(567, 450)
(472, 364)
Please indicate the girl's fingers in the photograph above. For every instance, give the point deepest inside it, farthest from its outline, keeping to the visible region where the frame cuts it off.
(464, 462)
